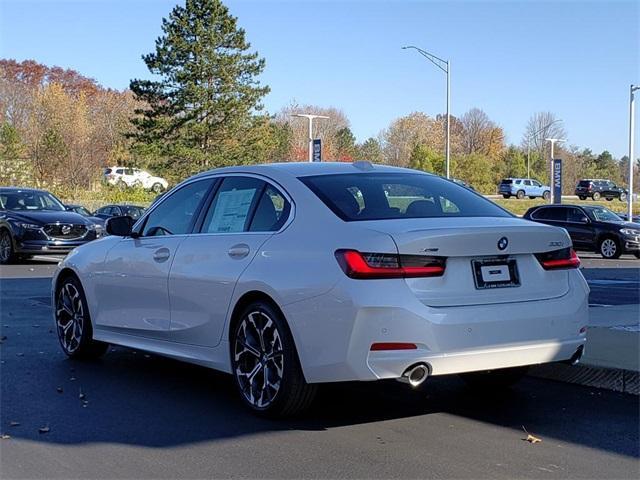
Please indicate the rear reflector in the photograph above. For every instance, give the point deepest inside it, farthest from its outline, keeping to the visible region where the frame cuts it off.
(559, 259)
(386, 265)
(376, 347)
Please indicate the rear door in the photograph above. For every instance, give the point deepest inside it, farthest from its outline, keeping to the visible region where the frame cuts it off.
(244, 212)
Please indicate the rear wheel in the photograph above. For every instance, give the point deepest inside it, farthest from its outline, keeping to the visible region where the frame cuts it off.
(546, 195)
(7, 255)
(73, 322)
(157, 187)
(623, 197)
(265, 365)
(582, 197)
(609, 248)
(609, 199)
(520, 194)
(497, 379)
(506, 195)
(596, 196)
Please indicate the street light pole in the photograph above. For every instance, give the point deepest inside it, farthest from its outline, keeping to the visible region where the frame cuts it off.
(529, 137)
(310, 117)
(553, 142)
(632, 89)
(445, 66)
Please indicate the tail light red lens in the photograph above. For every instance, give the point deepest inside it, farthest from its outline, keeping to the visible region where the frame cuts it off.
(379, 347)
(385, 265)
(559, 259)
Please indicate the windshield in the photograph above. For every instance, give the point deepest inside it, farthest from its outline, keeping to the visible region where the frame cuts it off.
(601, 214)
(29, 200)
(377, 196)
(133, 212)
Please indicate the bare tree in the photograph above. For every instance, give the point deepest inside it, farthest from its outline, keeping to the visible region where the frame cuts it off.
(541, 125)
(477, 131)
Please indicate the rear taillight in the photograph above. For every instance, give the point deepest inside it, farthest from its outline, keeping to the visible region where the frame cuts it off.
(559, 259)
(387, 265)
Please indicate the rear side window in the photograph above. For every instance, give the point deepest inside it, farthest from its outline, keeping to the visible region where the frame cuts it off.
(233, 204)
(584, 183)
(377, 196)
(506, 181)
(550, 213)
(271, 213)
(107, 171)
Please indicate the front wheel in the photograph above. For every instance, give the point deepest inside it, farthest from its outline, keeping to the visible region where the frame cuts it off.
(609, 199)
(7, 254)
(520, 195)
(582, 197)
(496, 379)
(73, 322)
(609, 248)
(623, 197)
(596, 196)
(546, 194)
(265, 365)
(157, 187)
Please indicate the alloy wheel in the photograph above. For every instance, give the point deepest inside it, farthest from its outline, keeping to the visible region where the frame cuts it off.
(69, 317)
(259, 359)
(608, 248)
(5, 247)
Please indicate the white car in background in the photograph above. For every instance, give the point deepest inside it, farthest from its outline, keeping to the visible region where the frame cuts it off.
(134, 177)
(290, 275)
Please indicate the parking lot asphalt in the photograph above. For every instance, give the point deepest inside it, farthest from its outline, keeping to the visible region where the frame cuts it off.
(145, 416)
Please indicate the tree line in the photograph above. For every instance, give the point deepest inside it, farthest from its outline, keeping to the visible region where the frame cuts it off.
(203, 109)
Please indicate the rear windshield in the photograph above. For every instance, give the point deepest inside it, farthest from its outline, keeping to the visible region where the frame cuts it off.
(584, 183)
(506, 181)
(377, 196)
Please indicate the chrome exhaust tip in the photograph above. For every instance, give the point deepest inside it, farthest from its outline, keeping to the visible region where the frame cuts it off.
(415, 375)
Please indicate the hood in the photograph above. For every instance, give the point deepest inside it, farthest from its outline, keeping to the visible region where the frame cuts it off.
(43, 217)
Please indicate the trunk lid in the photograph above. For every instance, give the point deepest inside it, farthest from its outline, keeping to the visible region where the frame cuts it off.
(464, 240)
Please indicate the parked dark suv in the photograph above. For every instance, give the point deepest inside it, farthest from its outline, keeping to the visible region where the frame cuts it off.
(34, 222)
(597, 189)
(591, 228)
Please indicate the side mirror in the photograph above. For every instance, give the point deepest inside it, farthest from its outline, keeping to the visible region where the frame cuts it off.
(119, 226)
(584, 220)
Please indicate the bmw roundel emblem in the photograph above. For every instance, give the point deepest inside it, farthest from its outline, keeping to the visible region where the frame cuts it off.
(503, 243)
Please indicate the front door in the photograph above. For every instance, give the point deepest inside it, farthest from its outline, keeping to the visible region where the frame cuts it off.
(133, 283)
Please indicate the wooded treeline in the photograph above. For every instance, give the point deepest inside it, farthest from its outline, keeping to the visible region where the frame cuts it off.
(203, 109)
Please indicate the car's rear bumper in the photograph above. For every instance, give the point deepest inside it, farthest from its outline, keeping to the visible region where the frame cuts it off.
(335, 344)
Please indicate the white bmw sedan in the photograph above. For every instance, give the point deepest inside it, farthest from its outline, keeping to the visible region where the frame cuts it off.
(290, 275)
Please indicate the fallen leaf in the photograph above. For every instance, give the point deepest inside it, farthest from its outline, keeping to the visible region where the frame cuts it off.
(14, 424)
(530, 438)
(44, 429)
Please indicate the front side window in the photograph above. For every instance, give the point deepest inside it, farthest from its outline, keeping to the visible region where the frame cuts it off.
(230, 210)
(601, 214)
(377, 196)
(535, 183)
(527, 182)
(575, 215)
(175, 215)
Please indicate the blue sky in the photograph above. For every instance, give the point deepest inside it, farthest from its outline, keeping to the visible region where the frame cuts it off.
(511, 59)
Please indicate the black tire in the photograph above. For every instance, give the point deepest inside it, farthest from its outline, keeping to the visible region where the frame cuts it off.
(494, 379)
(637, 254)
(157, 188)
(520, 194)
(72, 313)
(623, 197)
(609, 248)
(532, 198)
(582, 197)
(506, 195)
(609, 199)
(122, 185)
(595, 196)
(7, 252)
(253, 359)
(546, 194)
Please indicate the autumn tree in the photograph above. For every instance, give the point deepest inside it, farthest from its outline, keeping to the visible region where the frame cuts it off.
(345, 145)
(202, 104)
(370, 150)
(404, 133)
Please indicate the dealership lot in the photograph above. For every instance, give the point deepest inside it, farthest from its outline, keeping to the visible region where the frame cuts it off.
(145, 416)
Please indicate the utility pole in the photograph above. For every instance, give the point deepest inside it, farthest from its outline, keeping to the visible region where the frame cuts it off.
(632, 89)
(310, 117)
(445, 66)
(553, 142)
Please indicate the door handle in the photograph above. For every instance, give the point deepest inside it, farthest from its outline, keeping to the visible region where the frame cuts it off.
(239, 251)
(161, 255)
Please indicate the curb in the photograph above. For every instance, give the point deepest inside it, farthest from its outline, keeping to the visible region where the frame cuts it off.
(616, 379)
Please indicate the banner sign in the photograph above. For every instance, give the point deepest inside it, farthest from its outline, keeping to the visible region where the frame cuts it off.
(317, 150)
(557, 180)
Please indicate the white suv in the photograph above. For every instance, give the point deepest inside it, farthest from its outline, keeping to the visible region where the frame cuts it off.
(134, 177)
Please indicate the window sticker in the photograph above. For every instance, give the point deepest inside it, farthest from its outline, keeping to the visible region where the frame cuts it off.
(231, 211)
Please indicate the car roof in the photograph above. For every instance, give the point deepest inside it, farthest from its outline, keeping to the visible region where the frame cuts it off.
(21, 189)
(304, 169)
